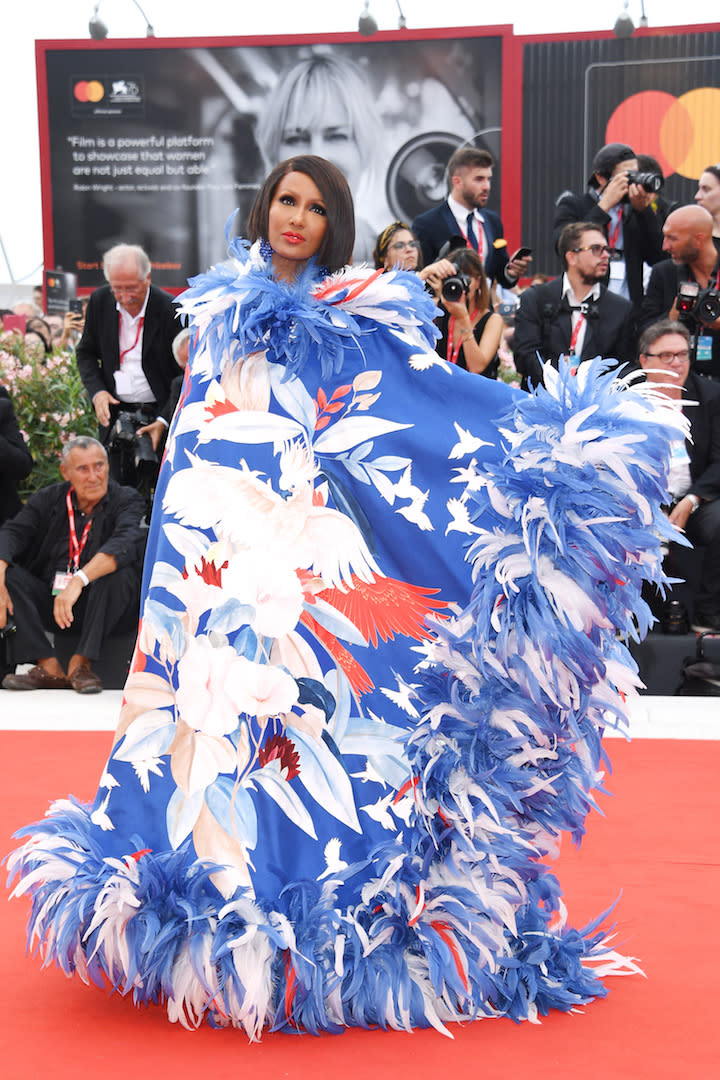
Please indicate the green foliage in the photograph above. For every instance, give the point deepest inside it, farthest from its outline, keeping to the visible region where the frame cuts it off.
(49, 401)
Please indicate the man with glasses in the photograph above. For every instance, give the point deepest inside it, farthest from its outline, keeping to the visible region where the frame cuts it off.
(694, 482)
(575, 315)
(125, 356)
(681, 286)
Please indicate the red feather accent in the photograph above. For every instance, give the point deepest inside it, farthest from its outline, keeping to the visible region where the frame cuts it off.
(385, 607)
(443, 930)
(357, 675)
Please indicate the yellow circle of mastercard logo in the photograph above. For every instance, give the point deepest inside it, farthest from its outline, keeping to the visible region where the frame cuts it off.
(88, 90)
(683, 133)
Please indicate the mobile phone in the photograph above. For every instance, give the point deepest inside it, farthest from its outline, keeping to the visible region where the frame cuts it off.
(76, 307)
(521, 253)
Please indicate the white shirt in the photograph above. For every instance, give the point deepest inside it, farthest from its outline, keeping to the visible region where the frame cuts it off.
(576, 314)
(131, 384)
(460, 213)
(617, 282)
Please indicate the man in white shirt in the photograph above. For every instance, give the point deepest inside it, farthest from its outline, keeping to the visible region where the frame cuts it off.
(575, 315)
(125, 356)
(464, 216)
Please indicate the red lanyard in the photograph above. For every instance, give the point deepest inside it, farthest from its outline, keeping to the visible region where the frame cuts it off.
(124, 353)
(480, 235)
(453, 351)
(576, 333)
(614, 234)
(76, 549)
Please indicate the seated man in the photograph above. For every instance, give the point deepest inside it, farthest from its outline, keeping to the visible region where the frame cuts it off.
(695, 472)
(575, 315)
(72, 557)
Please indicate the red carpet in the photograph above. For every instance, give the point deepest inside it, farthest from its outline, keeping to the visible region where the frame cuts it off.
(658, 843)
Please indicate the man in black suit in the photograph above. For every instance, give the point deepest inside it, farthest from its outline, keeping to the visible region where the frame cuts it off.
(623, 211)
(693, 267)
(575, 315)
(125, 356)
(694, 482)
(464, 217)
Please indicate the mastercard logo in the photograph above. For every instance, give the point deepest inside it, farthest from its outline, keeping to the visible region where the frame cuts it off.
(683, 133)
(88, 90)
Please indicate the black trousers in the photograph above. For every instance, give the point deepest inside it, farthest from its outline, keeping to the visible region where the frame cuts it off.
(703, 529)
(109, 604)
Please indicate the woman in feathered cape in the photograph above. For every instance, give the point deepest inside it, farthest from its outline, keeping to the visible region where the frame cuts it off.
(378, 646)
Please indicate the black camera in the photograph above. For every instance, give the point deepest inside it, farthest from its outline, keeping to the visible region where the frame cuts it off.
(455, 287)
(652, 182)
(701, 305)
(125, 438)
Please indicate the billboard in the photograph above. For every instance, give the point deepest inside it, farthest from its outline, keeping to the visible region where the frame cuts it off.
(160, 142)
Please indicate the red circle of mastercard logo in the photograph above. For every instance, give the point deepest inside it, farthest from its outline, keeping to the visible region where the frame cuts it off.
(683, 133)
(88, 90)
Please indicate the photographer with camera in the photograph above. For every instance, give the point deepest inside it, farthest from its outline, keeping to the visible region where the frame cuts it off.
(618, 201)
(575, 315)
(470, 331)
(686, 287)
(125, 360)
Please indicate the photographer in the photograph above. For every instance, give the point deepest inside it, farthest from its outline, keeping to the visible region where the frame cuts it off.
(686, 287)
(125, 355)
(470, 331)
(618, 201)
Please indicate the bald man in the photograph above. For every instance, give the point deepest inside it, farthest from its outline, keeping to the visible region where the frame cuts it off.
(691, 272)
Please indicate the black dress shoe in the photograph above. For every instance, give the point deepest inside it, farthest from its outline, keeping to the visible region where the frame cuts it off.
(36, 678)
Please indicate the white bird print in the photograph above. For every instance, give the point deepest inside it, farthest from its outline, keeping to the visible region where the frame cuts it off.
(424, 361)
(381, 813)
(467, 443)
(469, 475)
(414, 513)
(321, 539)
(460, 521)
(401, 696)
(333, 863)
(369, 773)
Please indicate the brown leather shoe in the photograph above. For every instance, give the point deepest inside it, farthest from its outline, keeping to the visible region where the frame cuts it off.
(85, 681)
(36, 678)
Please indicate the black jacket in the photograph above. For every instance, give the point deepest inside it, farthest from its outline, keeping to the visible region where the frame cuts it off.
(642, 234)
(703, 446)
(543, 323)
(434, 228)
(30, 539)
(661, 292)
(98, 351)
(15, 460)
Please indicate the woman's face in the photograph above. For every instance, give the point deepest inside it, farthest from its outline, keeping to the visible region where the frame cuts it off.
(708, 193)
(297, 222)
(323, 128)
(402, 252)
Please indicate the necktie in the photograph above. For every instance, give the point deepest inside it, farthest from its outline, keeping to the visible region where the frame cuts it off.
(471, 234)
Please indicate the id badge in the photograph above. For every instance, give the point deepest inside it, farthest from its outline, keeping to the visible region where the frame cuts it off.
(703, 352)
(60, 582)
(123, 384)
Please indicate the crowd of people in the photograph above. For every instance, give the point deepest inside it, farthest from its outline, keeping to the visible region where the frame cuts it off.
(633, 264)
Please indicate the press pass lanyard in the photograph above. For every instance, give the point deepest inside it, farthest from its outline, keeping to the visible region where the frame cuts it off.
(614, 235)
(452, 350)
(124, 353)
(576, 333)
(76, 547)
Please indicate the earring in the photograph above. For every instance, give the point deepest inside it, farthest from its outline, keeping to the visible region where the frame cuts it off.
(266, 250)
